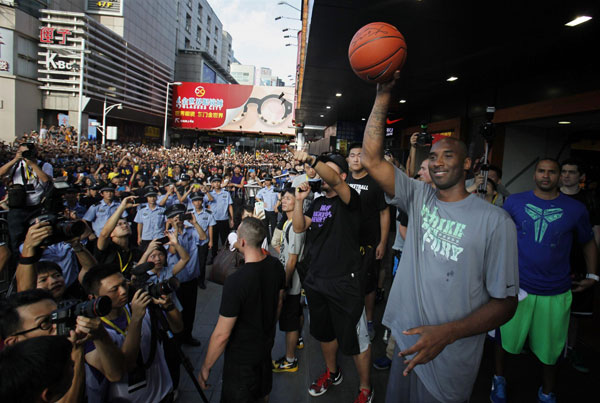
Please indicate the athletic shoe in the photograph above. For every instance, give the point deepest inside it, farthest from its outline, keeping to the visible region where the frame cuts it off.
(371, 330)
(498, 394)
(379, 295)
(365, 396)
(323, 383)
(382, 363)
(283, 365)
(300, 344)
(543, 398)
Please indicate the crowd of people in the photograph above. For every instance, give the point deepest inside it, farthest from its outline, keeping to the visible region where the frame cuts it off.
(110, 247)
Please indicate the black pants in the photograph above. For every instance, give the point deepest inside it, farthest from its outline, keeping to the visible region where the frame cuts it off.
(187, 293)
(220, 231)
(202, 255)
(270, 221)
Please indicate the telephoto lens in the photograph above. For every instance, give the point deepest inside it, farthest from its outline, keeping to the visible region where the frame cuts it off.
(94, 308)
(163, 288)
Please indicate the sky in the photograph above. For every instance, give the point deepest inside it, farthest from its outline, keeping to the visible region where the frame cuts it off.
(257, 37)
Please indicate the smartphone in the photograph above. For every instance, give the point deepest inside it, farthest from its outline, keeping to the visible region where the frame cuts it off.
(186, 216)
(163, 240)
(140, 200)
(259, 208)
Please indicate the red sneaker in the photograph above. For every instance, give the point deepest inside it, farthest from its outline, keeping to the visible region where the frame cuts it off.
(365, 396)
(323, 383)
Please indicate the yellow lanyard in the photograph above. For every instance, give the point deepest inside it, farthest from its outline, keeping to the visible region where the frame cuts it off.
(121, 262)
(26, 169)
(117, 328)
(285, 226)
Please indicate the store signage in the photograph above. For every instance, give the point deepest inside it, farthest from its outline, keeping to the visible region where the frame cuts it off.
(53, 35)
(114, 7)
(6, 51)
(236, 108)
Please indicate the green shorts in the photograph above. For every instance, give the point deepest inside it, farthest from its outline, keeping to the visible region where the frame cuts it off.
(545, 320)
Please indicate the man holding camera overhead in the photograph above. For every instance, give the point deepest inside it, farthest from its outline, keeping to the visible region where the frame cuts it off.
(29, 183)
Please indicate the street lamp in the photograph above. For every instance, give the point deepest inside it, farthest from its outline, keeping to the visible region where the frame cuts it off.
(291, 44)
(288, 4)
(105, 111)
(290, 29)
(287, 18)
(176, 83)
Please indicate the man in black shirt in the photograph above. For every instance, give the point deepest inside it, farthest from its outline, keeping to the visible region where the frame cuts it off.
(245, 331)
(374, 227)
(333, 282)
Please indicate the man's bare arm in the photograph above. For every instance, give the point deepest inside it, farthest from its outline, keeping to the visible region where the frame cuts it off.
(372, 151)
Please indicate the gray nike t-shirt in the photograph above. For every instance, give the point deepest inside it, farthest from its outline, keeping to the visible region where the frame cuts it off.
(456, 256)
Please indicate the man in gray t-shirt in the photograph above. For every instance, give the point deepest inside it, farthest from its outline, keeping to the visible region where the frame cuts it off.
(458, 276)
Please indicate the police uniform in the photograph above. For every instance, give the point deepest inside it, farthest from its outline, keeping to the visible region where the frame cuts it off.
(152, 220)
(270, 198)
(99, 214)
(205, 219)
(220, 210)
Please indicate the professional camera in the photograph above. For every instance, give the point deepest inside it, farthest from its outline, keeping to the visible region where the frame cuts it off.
(68, 311)
(30, 153)
(487, 128)
(424, 138)
(63, 229)
(155, 290)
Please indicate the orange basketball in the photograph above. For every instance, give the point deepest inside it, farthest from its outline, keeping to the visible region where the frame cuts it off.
(376, 51)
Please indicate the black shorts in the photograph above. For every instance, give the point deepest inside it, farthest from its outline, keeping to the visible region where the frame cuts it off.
(246, 383)
(289, 319)
(335, 307)
(370, 267)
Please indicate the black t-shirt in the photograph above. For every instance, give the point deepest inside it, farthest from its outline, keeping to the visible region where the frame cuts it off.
(114, 254)
(372, 201)
(251, 294)
(333, 237)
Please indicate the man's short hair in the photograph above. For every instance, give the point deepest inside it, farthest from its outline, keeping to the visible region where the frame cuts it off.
(353, 146)
(253, 231)
(29, 367)
(497, 170)
(10, 321)
(546, 159)
(91, 280)
(573, 161)
(46, 266)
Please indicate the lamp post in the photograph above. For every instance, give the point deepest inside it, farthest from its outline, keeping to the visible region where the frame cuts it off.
(80, 110)
(177, 83)
(105, 111)
(288, 4)
(287, 18)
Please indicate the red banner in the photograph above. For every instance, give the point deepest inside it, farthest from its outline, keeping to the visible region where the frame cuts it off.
(228, 107)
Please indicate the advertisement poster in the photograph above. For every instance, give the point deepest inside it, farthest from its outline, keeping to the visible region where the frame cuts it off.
(234, 108)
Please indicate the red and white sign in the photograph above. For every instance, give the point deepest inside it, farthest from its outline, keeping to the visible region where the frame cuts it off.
(239, 108)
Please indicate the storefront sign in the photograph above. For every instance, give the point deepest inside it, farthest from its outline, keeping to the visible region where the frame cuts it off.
(236, 108)
(114, 7)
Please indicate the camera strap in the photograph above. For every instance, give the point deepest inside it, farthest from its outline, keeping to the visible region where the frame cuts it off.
(115, 327)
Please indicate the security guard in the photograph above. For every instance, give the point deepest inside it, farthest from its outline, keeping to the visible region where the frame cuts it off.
(150, 219)
(270, 198)
(189, 236)
(220, 203)
(98, 214)
(207, 222)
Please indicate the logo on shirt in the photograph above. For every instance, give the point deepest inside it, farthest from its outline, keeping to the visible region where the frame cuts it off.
(542, 218)
(322, 215)
(442, 235)
(358, 187)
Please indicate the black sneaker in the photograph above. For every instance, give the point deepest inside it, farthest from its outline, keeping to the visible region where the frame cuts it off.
(283, 365)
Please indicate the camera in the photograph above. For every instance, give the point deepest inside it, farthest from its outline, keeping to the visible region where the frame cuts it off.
(155, 290)
(68, 311)
(30, 153)
(487, 128)
(63, 229)
(424, 138)
(186, 216)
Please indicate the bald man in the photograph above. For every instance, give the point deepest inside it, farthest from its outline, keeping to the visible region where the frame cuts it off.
(458, 276)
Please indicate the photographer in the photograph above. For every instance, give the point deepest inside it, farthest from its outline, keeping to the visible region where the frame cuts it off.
(147, 377)
(189, 237)
(113, 246)
(27, 315)
(65, 254)
(29, 183)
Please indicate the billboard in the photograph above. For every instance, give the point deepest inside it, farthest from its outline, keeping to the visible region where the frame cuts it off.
(235, 108)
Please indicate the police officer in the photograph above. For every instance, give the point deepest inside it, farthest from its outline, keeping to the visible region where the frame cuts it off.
(270, 198)
(91, 197)
(98, 214)
(72, 204)
(170, 196)
(189, 236)
(150, 219)
(207, 222)
(220, 203)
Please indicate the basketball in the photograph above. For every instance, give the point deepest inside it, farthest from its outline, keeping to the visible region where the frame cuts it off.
(376, 51)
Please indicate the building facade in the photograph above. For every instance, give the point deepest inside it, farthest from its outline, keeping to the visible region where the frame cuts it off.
(243, 73)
